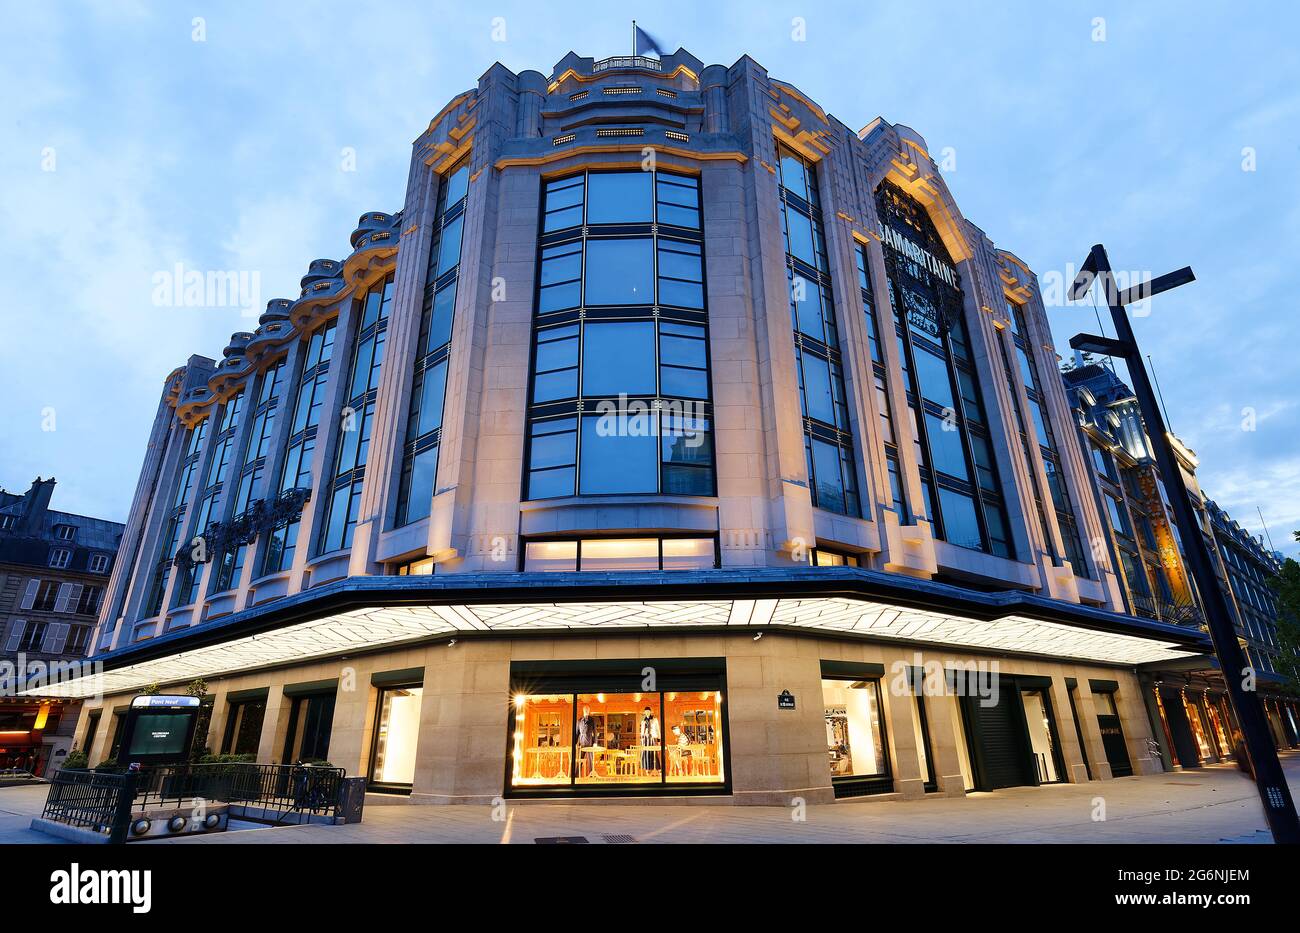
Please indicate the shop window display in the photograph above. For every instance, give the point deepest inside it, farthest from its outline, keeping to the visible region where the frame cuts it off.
(855, 738)
(396, 736)
(1194, 721)
(600, 739)
(1203, 747)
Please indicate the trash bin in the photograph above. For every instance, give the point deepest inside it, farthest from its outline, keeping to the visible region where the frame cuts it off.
(352, 799)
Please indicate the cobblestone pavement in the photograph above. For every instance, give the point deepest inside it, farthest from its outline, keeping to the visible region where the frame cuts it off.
(1216, 804)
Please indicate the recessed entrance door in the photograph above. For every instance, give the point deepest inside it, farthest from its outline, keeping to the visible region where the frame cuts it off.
(1011, 732)
(1042, 735)
(311, 720)
(1001, 757)
(1112, 735)
(1171, 703)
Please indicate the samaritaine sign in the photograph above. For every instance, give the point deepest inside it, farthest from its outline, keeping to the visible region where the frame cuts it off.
(918, 254)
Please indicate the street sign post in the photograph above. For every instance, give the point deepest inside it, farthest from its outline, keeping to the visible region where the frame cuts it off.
(1279, 808)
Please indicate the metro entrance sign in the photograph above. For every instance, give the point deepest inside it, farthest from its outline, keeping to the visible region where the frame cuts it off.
(158, 730)
(1279, 808)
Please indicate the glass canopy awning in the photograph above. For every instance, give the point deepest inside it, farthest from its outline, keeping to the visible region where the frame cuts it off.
(400, 611)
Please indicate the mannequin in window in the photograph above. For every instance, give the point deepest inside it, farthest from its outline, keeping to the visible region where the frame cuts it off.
(680, 760)
(649, 741)
(586, 736)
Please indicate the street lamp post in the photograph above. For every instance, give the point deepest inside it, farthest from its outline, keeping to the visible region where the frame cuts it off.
(1279, 808)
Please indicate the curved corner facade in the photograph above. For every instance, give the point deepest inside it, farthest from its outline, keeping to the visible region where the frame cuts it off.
(672, 438)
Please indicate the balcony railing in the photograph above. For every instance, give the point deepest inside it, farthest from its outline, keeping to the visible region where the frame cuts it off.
(1184, 613)
(627, 61)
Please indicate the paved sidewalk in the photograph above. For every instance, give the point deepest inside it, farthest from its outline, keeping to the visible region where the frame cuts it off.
(1217, 804)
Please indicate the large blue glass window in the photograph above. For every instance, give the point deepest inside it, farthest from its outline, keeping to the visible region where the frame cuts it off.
(295, 473)
(619, 198)
(618, 356)
(620, 272)
(832, 471)
(416, 486)
(963, 497)
(617, 458)
(1057, 495)
(619, 400)
(357, 417)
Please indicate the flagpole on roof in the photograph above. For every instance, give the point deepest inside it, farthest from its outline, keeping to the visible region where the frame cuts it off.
(634, 38)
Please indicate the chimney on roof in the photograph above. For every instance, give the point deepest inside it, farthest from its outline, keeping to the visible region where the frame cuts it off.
(36, 503)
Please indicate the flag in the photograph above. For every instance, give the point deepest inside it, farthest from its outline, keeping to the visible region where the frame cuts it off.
(643, 42)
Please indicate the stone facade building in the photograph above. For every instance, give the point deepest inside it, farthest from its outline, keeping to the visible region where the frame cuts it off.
(54, 567)
(672, 438)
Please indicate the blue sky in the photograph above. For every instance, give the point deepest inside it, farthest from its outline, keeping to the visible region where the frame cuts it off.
(228, 154)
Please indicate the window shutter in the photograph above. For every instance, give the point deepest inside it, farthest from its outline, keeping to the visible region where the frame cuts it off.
(106, 636)
(55, 638)
(29, 598)
(74, 596)
(61, 602)
(16, 634)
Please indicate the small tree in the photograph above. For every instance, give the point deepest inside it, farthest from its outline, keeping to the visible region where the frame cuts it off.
(151, 690)
(1287, 586)
(197, 688)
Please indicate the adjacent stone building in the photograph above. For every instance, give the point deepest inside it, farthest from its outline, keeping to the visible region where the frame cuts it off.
(54, 567)
(1188, 699)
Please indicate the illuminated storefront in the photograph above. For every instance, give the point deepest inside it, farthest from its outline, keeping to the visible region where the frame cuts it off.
(855, 733)
(1197, 722)
(397, 729)
(605, 728)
